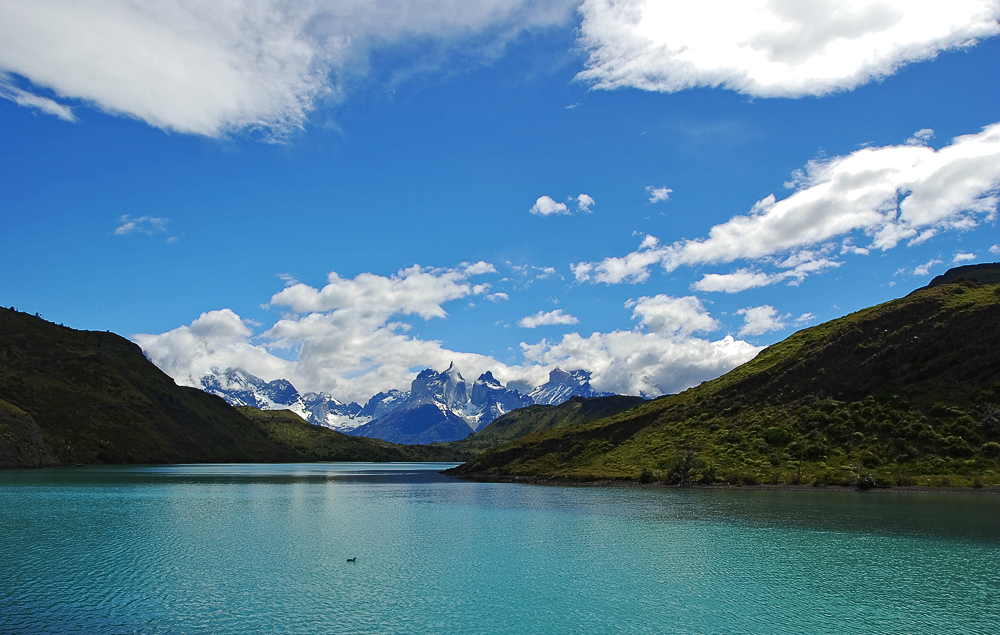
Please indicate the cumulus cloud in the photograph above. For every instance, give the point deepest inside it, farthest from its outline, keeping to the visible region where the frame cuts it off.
(638, 363)
(925, 269)
(672, 316)
(148, 225)
(546, 205)
(413, 291)
(210, 68)
(496, 297)
(889, 194)
(770, 48)
(346, 340)
(657, 194)
(761, 319)
(353, 352)
(920, 137)
(547, 319)
(962, 256)
(584, 202)
(995, 249)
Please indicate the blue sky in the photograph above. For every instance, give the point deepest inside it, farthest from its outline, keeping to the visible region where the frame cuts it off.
(343, 193)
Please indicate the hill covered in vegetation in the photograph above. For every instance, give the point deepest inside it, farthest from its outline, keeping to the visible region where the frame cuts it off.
(905, 392)
(69, 396)
(535, 418)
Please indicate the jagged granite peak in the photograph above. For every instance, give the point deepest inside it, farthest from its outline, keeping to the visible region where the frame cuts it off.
(492, 399)
(565, 384)
(241, 388)
(421, 424)
(383, 403)
(447, 388)
(477, 405)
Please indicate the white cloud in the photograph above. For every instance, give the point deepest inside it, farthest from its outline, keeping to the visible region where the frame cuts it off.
(496, 297)
(633, 362)
(30, 100)
(412, 291)
(672, 316)
(995, 249)
(345, 338)
(354, 352)
(805, 318)
(212, 67)
(890, 194)
(770, 48)
(657, 194)
(148, 225)
(761, 319)
(547, 319)
(584, 202)
(925, 269)
(546, 205)
(920, 137)
(743, 279)
(963, 257)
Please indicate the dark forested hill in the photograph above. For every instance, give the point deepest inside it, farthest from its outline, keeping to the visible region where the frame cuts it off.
(903, 392)
(69, 396)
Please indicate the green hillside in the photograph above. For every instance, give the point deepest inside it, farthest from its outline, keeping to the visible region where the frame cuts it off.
(69, 397)
(905, 392)
(523, 421)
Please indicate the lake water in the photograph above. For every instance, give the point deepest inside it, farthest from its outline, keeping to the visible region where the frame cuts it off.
(240, 549)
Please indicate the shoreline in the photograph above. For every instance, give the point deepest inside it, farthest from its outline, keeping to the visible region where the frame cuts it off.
(993, 490)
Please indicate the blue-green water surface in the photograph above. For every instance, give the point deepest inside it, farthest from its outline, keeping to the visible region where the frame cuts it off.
(263, 549)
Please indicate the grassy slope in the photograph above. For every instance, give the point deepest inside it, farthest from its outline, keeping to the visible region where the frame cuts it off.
(898, 390)
(314, 443)
(523, 421)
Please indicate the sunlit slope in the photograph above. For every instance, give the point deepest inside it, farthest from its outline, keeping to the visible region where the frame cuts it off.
(524, 421)
(905, 391)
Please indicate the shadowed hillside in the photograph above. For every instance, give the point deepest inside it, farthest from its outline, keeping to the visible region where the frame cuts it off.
(69, 396)
(904, 392)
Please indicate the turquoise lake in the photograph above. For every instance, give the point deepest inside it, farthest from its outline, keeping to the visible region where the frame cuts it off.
(263, 549)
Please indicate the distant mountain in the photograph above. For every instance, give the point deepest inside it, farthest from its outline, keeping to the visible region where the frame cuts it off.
(562, 385)
(906, 392)
(423, 423)
(397, 415)
(69, 396)
(241, 388)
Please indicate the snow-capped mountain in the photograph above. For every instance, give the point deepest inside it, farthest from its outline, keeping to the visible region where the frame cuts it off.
(440, 406)
(241, 388)
(562, 385)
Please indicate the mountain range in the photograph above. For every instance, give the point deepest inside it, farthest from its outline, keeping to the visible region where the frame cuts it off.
(440, 406)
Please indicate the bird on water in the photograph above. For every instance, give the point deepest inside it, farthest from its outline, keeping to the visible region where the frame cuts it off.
(352, 559)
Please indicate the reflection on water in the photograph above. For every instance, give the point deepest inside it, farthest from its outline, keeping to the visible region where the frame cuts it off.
(264, 548)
